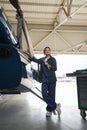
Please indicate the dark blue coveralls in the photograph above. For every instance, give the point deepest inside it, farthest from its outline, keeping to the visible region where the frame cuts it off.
(48, 81)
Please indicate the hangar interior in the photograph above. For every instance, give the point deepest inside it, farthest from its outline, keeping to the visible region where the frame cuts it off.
(62, 25)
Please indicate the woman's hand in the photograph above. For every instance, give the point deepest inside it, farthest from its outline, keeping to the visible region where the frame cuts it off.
(48, 65)
(29, 53)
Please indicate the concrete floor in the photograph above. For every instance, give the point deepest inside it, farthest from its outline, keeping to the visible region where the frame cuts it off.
(27, 112)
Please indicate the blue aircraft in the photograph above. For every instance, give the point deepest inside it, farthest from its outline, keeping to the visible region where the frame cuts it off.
(12, 56)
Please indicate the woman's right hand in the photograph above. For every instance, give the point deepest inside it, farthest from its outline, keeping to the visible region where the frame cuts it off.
(30, 55)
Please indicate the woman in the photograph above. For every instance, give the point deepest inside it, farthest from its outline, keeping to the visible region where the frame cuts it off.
(48, 68)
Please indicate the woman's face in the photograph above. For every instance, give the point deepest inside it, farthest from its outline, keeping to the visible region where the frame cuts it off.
(47, 52)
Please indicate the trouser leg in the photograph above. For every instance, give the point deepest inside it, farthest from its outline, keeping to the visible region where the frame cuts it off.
(51, 90)
(48, 93)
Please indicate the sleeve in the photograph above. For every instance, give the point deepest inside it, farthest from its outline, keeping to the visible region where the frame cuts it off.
(36, 60)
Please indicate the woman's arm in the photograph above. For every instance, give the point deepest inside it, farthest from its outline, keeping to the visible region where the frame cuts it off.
(32, 58)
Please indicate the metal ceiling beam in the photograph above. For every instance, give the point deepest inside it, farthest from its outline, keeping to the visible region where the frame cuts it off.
(43, 40)
(65, 41)
(33, 3)
(66, 30)
(80, 48)
(84, 4)
(67, 12)
(38, 3)
(45, 21)
(59, 13)
(33, 12)
(75, 46)
(61, 5)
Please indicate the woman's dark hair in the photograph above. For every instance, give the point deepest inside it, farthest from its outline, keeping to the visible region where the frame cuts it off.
(46, 48)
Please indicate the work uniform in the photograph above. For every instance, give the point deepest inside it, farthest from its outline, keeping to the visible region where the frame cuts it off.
(48, 81)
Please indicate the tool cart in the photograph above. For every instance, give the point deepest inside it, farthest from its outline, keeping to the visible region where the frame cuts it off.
(81, 80)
